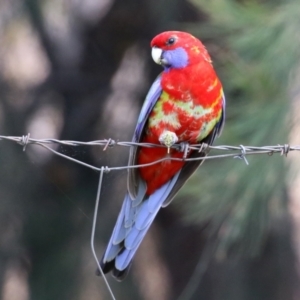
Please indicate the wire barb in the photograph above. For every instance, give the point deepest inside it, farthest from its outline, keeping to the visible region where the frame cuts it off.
(285, 150)
(110, 143)
(203, 148)
(106, 169)
(242, 155)
(24, 141)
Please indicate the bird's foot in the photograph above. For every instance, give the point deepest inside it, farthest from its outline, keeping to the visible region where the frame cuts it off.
(185, 148)
(168, 138)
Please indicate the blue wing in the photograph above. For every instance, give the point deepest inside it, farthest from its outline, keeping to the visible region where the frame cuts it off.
(151, 99)
(138, 210)
(133, 180)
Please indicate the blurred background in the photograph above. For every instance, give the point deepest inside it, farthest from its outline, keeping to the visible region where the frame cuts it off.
(79, 70)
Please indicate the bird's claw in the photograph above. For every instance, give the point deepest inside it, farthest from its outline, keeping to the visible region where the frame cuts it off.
(184, 147)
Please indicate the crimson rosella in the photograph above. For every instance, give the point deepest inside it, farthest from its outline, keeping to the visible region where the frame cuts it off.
(185, 104)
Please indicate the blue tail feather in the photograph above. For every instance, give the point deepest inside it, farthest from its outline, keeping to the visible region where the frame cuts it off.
(133, 222)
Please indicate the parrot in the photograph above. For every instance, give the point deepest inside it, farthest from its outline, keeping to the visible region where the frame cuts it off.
(185, 105)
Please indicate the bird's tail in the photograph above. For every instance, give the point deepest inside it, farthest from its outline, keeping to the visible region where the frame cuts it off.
(133, 222)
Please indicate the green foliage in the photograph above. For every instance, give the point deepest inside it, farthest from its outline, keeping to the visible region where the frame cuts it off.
(255, 48)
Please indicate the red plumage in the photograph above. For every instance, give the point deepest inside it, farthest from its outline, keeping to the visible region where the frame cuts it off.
(196, 85)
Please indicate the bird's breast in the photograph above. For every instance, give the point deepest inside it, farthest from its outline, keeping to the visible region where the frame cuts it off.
(190, 104)
(190, 120)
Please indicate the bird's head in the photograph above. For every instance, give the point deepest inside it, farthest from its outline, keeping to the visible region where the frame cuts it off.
(177, 49)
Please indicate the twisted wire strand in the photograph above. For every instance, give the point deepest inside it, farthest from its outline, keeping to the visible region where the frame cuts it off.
(242, 150)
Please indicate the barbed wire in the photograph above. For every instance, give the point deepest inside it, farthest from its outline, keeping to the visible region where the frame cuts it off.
(236, 151)
(240, 152)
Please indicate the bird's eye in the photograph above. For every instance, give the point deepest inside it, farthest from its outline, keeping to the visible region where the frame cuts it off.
(171, 41)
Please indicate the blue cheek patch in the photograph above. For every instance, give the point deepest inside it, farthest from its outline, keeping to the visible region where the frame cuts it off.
(177, 58)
